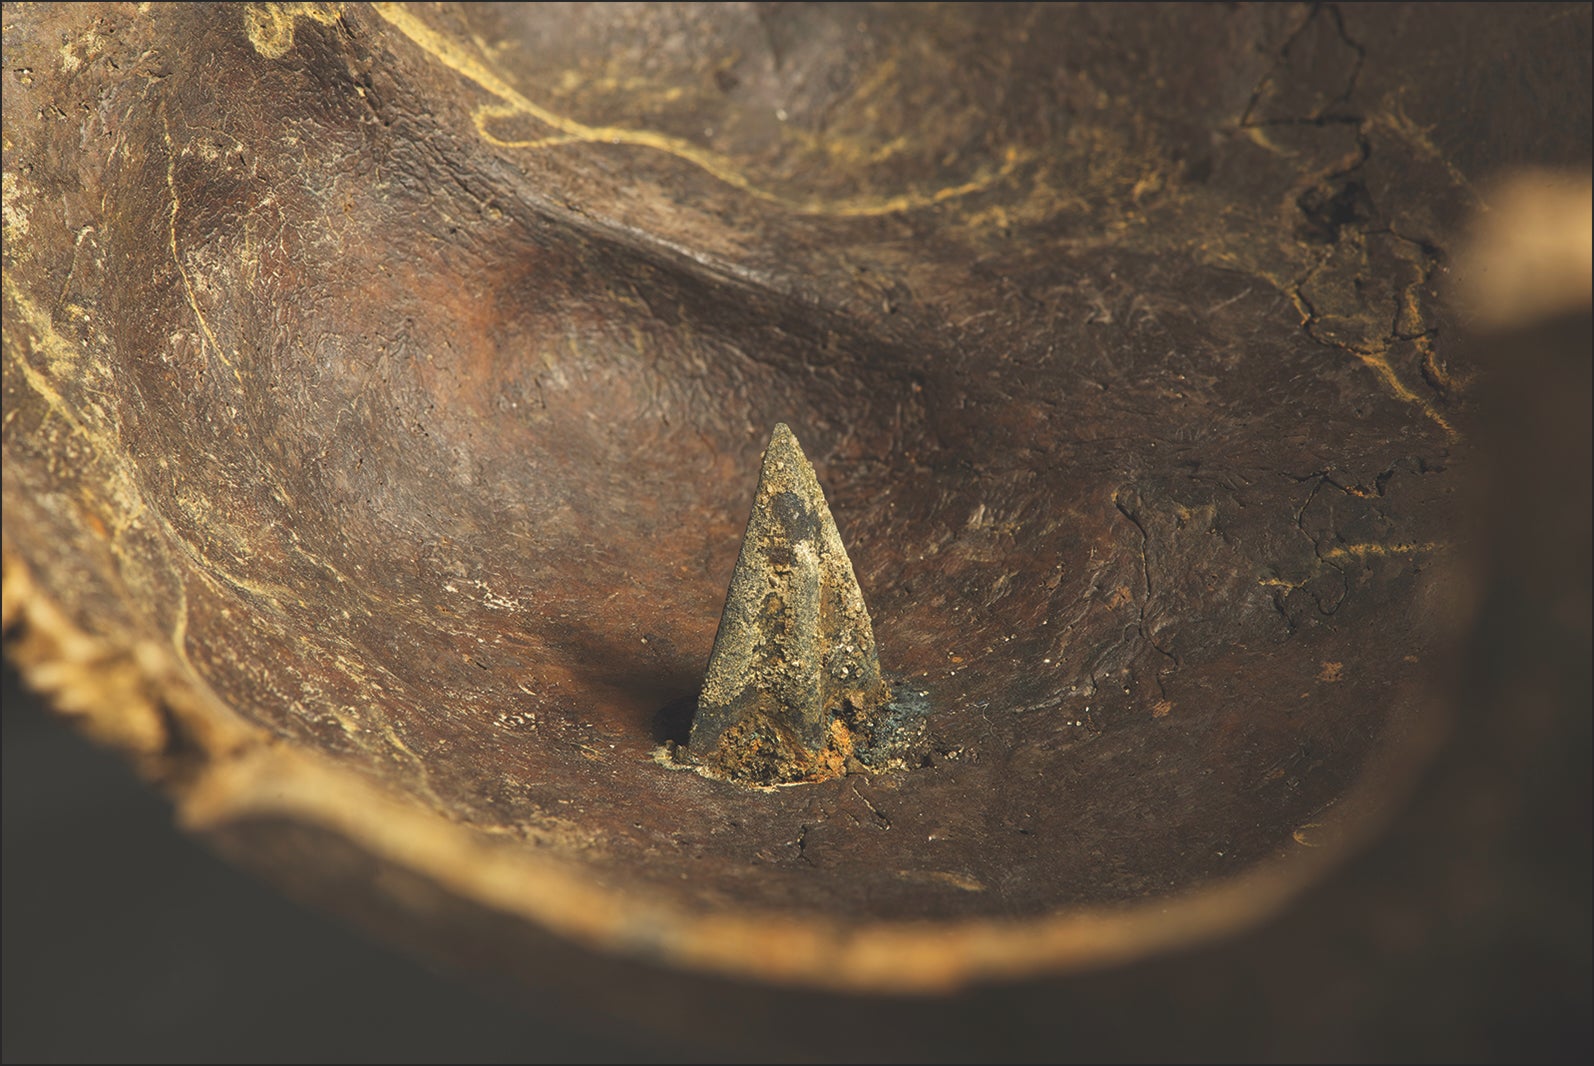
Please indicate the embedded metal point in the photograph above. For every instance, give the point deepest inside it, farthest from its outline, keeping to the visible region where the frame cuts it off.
(794, 690)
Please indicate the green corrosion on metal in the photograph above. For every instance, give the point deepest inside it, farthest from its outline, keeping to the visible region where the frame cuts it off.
(794, 690)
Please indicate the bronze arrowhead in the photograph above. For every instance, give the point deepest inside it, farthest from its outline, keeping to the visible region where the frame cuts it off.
(794, 669)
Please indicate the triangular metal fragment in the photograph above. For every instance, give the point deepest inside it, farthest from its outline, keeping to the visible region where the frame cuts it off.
(794, 659)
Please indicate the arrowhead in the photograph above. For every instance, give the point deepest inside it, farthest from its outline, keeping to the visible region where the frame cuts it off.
(794, 666)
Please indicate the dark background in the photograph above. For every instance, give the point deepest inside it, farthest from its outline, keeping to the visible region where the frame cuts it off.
(125, 940)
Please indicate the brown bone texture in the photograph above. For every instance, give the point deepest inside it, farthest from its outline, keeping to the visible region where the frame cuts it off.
(385, 387)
